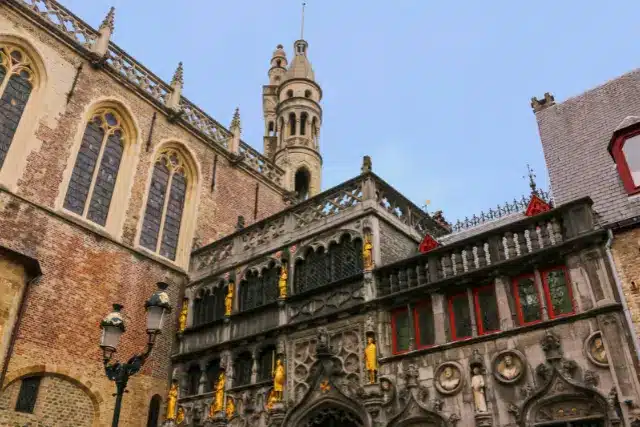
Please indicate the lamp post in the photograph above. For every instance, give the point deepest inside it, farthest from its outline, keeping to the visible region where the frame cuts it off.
(113, 327)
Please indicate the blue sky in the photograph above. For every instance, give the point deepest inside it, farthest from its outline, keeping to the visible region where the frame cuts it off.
(436, 92)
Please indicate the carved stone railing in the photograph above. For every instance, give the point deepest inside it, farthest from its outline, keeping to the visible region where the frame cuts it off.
(124, 65)
(291, 224)
(518, 239)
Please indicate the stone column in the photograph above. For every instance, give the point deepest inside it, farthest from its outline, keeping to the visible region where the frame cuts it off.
(255, 356)
(101, 46)
(503, 287)
(472, 311)
(438, 302)
(540, 288)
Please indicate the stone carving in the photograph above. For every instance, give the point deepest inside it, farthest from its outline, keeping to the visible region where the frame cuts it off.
(568, 368)
(278, 380)
(551, 345)
(371, 359)
(172, 399)
(448, 378)
(591, 378)
(369, 325)
(595, 350)
(544, 371)
(180, 416)
(478, 388)
(230, 410)
(330, 301)
(508, 366)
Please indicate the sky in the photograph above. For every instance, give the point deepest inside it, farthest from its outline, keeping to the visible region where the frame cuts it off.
(437, 92)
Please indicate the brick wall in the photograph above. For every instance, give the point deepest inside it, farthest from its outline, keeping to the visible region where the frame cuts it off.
(394, 245)
(625, 250)
(12, 284)
(86, 269)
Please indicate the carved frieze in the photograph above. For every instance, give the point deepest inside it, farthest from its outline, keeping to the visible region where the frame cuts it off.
(508, 366)
(448, 378)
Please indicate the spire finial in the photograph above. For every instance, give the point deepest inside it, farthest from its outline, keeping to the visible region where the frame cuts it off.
(302, 24)
(235, 122)
(178, 75)
(532, 180)
(109, 19)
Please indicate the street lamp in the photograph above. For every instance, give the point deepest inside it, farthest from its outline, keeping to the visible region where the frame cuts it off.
(113, 327)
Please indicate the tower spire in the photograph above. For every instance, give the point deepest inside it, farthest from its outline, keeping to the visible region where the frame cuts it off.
(532, 180)
(302, 24)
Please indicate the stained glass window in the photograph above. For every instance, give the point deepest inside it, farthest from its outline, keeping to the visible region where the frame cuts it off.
(459, 317)
(96, 169)
(16, 83)
(527, 300)
(28, 394)
(486, 310)
(423, 315)
(558, 292)
(163, 214)
(401, 330)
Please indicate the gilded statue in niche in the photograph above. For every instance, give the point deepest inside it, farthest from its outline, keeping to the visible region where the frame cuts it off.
(182, 319)
(371, 359)
(180, 416)
(595, 350)
(231, 408)
(278, 380)
(448, 378)
(508, 366)
(172, 399)
(218, 402)
(228, 300)
(282, 282)
(367, 252)
(271, 399)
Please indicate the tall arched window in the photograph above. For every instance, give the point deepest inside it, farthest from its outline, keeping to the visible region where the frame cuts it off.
(301, 183)
(314, 132)
(259, 289)
(303, 123)
(346, 258)
(212, 372)
(165, 204)
(193, 380)
(16, 84)
(266, 363)
(292, 124)
(96, 169)
(281, 129)
(271, 129)
(154, 411)
(242, 368)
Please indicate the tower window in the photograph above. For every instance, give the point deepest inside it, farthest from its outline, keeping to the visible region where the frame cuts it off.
(278, 63)
(307, 93)
(290, 93)
(292, 124)
(302, 179)
(303, 123)
(271, 129)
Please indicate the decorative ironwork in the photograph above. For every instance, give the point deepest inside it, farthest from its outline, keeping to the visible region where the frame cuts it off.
(501, 211)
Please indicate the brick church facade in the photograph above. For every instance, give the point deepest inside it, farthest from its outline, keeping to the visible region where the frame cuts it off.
(292, 306)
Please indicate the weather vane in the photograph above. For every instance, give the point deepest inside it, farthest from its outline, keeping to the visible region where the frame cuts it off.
(532, 180)
(302, 25)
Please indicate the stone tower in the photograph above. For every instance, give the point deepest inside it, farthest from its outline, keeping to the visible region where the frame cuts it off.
(292, 114)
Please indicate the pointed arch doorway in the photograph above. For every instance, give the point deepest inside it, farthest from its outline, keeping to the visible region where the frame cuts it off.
(331, 416)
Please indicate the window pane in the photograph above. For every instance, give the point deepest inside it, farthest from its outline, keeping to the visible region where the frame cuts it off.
(193, 380)
(173, 216)
(461, 317)
(28, 394)
(529, 299)
(243, 367)
(424, 322)
(155, 205)
(106, 180)
(631, 150)
(559, 292)
(213, 370)
(401, 322)
(488, 310)
(82, 173)
(266, 364)
(12, 104)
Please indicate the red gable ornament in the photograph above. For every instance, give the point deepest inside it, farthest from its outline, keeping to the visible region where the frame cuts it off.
(428, 244)
(536, 206)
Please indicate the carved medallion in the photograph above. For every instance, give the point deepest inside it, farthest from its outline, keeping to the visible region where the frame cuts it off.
(449, 378)
(508, 366)
(595, 351)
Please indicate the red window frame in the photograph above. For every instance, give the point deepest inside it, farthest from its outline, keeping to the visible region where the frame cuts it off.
(478, 311)
(394, 341)
(416, 322)
(615, 147)
(516, 297)
(452, 317)
(547, 293)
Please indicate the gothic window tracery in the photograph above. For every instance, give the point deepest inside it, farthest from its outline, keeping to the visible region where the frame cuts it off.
(165, 204)
(95, 171)
(16, 85)
(266, 363)
(243, 366)
(319, 268)
(259, 289)
(209, 305)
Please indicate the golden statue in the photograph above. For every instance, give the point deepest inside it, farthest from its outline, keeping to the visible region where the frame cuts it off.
(228, 300)
(219, 398)
(278, 380)
(271, 400)
(172, 400)
(282, 283)
(231, 408)
(367, 252)
(371, 359)
(182, 319)
(180, 416)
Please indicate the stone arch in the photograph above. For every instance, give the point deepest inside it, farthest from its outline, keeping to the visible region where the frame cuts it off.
(80, 381)
(323, 409)
(23, 140)
(302, 182)
(120, 197)
(192, 173)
